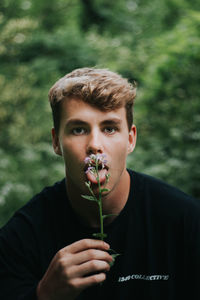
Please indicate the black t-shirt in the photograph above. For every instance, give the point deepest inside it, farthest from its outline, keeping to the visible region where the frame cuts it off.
(157, 234)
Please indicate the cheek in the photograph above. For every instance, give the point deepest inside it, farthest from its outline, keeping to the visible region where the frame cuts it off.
(118, 156)
(121, 148)
(72, 155)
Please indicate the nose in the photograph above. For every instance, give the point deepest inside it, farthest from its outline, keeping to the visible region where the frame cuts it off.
(94, 145)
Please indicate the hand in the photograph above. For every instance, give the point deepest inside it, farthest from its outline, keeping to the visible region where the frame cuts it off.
(70, 270)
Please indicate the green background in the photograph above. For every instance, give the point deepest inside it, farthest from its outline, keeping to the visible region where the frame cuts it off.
(156, 43)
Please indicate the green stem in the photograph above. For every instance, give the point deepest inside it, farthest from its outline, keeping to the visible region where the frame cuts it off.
(100, 202)
(101, 217)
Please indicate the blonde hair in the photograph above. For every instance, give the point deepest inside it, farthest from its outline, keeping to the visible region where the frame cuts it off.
(101, 88)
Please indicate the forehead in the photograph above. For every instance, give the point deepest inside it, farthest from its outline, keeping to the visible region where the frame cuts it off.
(78, 109)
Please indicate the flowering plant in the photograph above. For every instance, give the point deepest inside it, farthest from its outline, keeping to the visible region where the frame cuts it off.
(94, 164)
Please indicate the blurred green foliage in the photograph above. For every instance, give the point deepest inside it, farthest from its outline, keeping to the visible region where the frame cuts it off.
(156, 43)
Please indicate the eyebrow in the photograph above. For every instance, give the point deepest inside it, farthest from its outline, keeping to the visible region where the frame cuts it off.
(73, 122)
(111, 121)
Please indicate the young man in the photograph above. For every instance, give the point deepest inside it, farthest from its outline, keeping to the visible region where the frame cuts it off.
(47, 250)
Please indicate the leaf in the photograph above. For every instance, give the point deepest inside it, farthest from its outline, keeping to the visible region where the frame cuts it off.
(88, 184)
(91, 198)
(114, 257)
(110, 215)
(100, 235)
(105, 190)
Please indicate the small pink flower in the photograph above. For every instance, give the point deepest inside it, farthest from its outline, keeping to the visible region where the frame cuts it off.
(94, 159)
(90, 169)
(87, 160)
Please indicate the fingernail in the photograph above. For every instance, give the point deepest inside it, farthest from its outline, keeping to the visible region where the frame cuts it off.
(107, 245)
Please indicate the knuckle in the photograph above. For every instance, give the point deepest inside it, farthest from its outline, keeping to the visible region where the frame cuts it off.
(67, 274)
(87, 243)
(61, 265)
(98, 278)
(95, 280)
(91, 253)
(72, 284)
(59, 254)
(91, 243)
(97, 265)
(94, 264)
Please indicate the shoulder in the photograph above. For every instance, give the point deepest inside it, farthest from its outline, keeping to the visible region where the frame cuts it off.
(46, 200)
(36, 224)
(161, 196)
(40, 207)
(47, 197)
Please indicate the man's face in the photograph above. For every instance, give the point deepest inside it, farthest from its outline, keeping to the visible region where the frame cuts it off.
(86, 130)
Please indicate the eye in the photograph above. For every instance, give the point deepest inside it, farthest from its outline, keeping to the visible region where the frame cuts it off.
(110, 130)
(78, 131)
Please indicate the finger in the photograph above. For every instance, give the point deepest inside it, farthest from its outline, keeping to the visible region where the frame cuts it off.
(91, 254)
(93, 266)
(85, 282)
(86, 244)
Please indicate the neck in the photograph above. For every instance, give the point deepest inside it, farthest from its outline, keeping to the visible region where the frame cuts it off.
(112, 203)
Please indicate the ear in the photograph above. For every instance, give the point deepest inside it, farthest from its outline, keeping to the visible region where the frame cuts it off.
(56, 142)
(132, 139)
